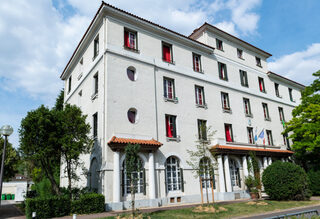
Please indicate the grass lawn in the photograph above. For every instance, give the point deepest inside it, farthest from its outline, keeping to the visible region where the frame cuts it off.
(227, 210)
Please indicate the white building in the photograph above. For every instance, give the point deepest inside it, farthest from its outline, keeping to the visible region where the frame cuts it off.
(141, 83)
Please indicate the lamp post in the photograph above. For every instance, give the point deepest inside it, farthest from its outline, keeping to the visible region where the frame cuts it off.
(6, 131)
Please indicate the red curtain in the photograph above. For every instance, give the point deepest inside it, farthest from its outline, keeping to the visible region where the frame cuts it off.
(169, 89)
(169, 133)
(166, 53)
(200, 96)
(196, 64)
(260, 84)
(126, 39)
(228, 134)
(221, 71)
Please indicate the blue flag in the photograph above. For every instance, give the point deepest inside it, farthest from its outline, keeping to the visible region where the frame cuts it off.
(255, 135)
(261, 135)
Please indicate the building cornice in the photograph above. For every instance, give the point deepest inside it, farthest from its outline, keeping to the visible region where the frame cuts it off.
(286, 80)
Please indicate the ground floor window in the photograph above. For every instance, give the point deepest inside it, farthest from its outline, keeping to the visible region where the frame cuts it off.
(174, 174)
(206, 173)
(235, 173)
(139, 183)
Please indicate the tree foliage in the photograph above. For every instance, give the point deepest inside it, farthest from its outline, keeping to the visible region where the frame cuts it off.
(11, 160)
(304, 127)
(59, 101)
(133, 165)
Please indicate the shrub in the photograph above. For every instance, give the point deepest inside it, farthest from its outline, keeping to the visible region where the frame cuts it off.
(285, 181)
(88, 203)
(55, 206)
(314, 179)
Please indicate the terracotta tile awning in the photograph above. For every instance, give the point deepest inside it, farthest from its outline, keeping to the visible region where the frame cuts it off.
(117, 143)
(224, 149)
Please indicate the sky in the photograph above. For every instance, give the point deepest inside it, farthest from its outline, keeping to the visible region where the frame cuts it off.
(37, 38)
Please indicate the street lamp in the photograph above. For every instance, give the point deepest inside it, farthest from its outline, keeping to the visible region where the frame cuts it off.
(6, 131)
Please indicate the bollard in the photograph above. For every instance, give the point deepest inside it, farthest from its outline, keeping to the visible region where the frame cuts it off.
(74, 216)
(34, 215)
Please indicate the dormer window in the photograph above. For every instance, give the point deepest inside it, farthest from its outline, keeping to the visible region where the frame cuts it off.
(219, 44)
(167, 53)
(258, 62)
(130, 40)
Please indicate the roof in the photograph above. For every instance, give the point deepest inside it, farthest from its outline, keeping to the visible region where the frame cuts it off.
(135, 16)
(225, 148)
(232, 36)
(116, 140)
(287, 79)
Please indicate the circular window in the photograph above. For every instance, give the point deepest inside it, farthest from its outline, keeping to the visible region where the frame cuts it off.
(132, 115)
(131, 73)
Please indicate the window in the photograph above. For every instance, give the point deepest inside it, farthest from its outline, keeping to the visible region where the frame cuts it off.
(202, 129)
(225, 101)
(130, 40)
(139, 176)
(168, 87)
(261, 85)
(132, 115)
(171, 130)
(290, 94)
(174, 174)
(219, 44)
(269, 137)
(250, 135)
(131, 73)
(96, 47)
(81, 61)
(247, 108)
(228, 132)
(167, 53)
(286, 141)
(199, 91)
(222, 71)
(240, 53)
(197, 63)
(69, 84)
(244, 78)
(95, 125)
(96, 83)
(206, 172)
(235, 174)
(276, 89)
(281, 114)
(258, 62)
(265, 111)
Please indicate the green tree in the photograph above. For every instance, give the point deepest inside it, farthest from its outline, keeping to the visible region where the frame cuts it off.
(304, 127)
(11, 161)
(73, 139)
(200, 161)
(133, 166)
(253, 168)
(38, 142)
(59, 101)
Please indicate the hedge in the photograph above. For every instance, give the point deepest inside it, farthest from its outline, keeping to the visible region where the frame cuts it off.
(58, 206)
(54, 206)
(314, 178)
(88, 203)
(285, 181)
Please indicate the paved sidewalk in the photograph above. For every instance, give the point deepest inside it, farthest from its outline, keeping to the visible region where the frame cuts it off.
(9, 210)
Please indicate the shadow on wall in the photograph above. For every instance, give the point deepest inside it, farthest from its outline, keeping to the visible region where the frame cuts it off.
(94, 178)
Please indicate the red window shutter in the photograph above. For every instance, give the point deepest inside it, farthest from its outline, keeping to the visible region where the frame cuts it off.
(228, 134)
(169, 133)
(166, 53)
(126, 39)
(260, 84)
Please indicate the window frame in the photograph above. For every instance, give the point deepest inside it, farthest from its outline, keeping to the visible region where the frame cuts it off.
(69, 83)
(230, 130)
(166, 81)
(164, 44)
(194, 56)
(96, 44)
(140, 186)
(95, 125)
(269, 137)
(261, 85)
(223, 73)
(127, 45)
(258, 62)
(250, 135)
(281, 114)
(219, 44)
(171, 120)
(276, 90)
(243, 74)
(266, 112)
(225, 99)
(240, 53)
(290, 94)
(197, 89)
(247, 107)
(96, 84)
(202, 134)
(178, 176)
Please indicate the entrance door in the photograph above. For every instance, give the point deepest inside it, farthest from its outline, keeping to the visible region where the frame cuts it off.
(235, 175)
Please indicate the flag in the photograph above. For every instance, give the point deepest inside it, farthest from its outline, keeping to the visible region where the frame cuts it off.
(256, 135)
(261, 135)
(264, 141)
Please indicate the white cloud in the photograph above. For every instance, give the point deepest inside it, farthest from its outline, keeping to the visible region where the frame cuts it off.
(227, 26)
(298, 66)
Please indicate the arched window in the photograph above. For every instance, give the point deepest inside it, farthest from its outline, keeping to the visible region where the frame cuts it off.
(131, 73)
(235, 174)
(206, 172)
(140, 182)
(174, 174)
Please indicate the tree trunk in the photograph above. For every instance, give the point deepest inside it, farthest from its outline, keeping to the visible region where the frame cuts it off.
(132, 196)
(53, 182)
(69, 179)
(206, 186)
